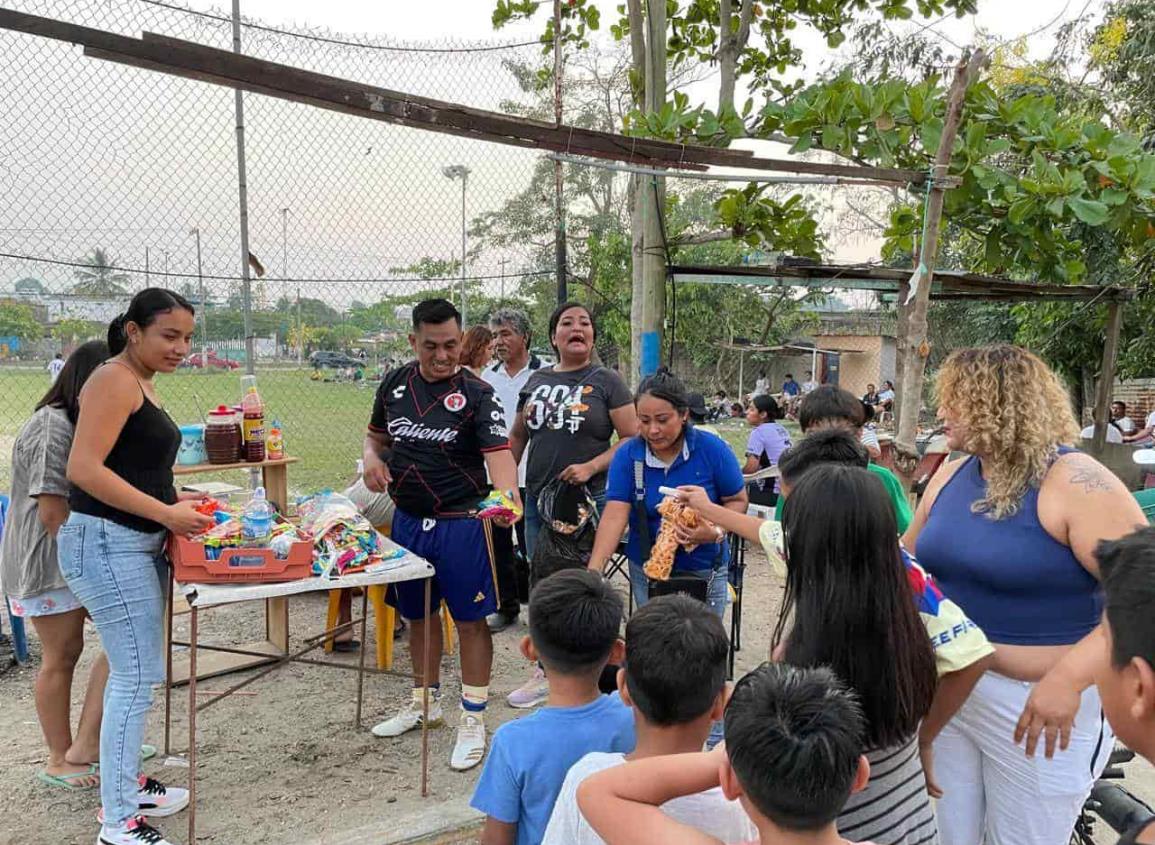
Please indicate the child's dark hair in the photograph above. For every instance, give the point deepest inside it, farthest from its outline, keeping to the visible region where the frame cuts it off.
(851, 601)
(830, 404)
(65, 391)
(826, 446)
(676, 650)
(794, 738)
(666, 386)
(1128, 569)
(434, 312)
(143, 310)
(764, 404)
(575, 622)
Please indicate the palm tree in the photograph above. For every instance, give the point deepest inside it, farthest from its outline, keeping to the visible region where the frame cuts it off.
(98, 276)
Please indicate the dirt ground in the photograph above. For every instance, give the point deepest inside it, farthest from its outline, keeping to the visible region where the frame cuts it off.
(284, 763)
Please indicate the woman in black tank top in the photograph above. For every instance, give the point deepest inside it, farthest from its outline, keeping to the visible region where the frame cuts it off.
(111, 548)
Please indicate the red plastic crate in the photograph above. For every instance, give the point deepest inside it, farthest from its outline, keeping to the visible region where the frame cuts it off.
(242, 565)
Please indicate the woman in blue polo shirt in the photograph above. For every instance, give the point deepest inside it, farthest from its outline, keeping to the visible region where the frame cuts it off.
(669, 451)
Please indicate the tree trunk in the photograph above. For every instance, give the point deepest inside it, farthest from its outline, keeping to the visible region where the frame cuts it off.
(914, 345)
(653, 196)
(730, 46)
(637, 289)
(636, 201)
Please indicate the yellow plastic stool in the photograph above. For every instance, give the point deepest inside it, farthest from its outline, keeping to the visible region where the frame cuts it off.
(386, 618)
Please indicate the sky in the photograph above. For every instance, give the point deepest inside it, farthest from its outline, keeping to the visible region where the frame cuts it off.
(470, 20)
(99, 155)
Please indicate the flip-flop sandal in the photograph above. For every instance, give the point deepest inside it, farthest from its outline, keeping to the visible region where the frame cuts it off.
(66, 781)
(346, 646)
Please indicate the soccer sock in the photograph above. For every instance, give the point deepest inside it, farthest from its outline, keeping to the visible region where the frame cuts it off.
(474, 699)
(419, 697)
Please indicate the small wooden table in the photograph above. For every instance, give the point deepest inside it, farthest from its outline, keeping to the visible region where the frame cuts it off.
(275, 477)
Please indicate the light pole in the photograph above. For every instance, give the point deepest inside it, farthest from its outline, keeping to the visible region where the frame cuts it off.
(196, 233)
(460, 171)
(285, 279)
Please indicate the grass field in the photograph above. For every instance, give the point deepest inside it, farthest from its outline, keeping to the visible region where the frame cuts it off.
(323, 422)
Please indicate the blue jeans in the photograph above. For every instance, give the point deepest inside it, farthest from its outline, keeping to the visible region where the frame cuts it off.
(116, 573)
(717, 593)
(532, 519)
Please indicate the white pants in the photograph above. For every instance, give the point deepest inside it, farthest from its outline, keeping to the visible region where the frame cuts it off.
(994, 793)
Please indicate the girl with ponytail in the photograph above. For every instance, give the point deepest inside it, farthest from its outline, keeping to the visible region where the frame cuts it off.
(122, 500)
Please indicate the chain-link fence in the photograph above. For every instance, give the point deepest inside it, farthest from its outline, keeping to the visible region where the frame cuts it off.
(113, 179)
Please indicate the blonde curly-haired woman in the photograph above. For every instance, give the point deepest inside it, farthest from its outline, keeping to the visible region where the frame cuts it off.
(1010, 533)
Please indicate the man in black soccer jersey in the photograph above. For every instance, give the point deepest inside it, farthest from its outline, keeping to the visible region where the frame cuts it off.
(435, 429)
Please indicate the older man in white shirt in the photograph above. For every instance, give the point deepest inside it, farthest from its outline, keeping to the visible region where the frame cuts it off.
(515, 364)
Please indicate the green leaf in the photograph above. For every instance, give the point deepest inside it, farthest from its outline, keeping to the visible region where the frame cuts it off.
(1091, 212)
(1113, 196)
(1020, 209)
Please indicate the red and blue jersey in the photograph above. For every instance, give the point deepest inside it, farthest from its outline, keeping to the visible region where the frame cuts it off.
(957, 641)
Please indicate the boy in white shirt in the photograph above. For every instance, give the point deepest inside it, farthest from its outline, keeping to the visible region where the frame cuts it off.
(674, 679)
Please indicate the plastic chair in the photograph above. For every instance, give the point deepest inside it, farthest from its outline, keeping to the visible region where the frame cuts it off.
(19, 637)
(1146, 500)
(386, 619)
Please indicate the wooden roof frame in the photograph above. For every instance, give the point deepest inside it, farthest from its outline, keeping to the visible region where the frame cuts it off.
(947, 284)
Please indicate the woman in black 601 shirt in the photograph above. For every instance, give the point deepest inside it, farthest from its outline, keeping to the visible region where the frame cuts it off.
(567, 417)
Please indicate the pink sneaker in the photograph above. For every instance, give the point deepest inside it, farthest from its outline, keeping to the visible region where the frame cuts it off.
(533, 692)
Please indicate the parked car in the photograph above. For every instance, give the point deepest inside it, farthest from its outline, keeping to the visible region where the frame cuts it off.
(214, 360)
(334, 360)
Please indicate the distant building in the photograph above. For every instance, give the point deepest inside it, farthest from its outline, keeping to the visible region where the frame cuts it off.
(60, 306)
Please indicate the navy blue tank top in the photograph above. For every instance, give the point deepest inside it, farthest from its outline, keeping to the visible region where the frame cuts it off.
(1017, 582)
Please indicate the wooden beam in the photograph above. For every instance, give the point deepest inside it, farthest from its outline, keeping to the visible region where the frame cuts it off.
(1107, 377)
(221, 67)
(946, 285)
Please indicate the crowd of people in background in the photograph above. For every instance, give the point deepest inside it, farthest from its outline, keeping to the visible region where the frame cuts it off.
(954, 674)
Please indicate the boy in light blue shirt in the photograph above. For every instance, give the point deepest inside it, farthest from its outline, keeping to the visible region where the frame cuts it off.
(573, 632)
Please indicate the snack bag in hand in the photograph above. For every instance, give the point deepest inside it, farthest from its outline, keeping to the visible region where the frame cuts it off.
(674, 513)
(498, 505)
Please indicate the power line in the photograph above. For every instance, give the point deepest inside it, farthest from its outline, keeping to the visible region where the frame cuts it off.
(340, 41)
(151, 272)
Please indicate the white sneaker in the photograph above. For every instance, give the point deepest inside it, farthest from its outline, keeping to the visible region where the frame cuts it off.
(155, 799)
(409, 719)
(470, 746)
(533, 692)
(136, 832)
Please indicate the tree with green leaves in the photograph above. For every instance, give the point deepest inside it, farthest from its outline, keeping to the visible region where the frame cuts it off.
(98, 276)
(18, 320)
(751, 42)
(70, 330)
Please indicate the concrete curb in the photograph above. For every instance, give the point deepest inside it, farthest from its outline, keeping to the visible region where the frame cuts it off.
(451, 822)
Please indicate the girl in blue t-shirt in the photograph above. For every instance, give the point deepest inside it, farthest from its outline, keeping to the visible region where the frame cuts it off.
(668, 451)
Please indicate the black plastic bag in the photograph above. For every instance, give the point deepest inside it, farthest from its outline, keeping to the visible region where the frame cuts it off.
(568, 524)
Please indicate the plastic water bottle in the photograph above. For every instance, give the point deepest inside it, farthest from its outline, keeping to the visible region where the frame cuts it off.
(257, 520)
